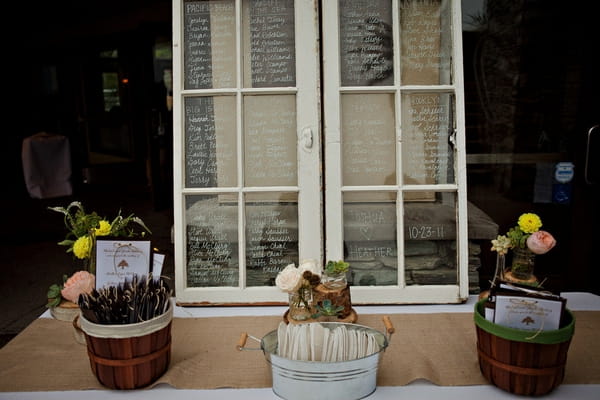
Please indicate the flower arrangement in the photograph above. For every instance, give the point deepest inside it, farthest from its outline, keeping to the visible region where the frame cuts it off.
(526, 234)
(83, 229)
(299, 282)
(526, 239)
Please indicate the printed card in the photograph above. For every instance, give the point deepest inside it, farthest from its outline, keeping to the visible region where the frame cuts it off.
(527, 312)
(117, 260)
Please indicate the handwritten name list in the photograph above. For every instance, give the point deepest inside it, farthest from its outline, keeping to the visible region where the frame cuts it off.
(366, 45)
(426, 151)
(272, 43)
(209, 44)
(212, 258)
(424, 54)
(271, 241)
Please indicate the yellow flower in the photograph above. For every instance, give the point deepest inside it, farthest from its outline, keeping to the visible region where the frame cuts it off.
(82, 247)
(530, 222)
(103, 229)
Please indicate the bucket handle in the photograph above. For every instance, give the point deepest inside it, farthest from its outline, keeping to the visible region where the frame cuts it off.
(389, 328)
(242, 342)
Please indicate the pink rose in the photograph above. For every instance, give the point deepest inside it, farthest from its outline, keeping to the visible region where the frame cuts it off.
(80, 282)
(540, 242)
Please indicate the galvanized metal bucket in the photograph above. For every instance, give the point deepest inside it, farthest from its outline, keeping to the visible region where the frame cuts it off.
(305, 380)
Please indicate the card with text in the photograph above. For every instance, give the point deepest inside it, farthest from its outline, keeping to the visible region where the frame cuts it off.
(117, 260)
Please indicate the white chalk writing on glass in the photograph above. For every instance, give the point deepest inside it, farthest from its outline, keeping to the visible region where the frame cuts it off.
(423, 53)
(211, 246)
(272, 43)
(209, 45)
(366, 45)
(426, 151)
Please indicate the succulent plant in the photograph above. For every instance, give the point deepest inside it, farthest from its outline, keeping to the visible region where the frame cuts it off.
(327, 308)
(336, 267)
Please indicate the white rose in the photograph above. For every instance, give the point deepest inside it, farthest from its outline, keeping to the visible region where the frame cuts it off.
(311, 266)
(289, 279)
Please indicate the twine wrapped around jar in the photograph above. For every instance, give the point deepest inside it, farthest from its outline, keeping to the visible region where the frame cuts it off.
(301, 303)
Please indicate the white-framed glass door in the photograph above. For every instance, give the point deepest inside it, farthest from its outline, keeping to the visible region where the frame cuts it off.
(253, 189)
(246, 124)
(394, 149)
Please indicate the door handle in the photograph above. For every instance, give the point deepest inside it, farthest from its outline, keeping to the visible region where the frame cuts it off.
(306, 138)
(588, 155)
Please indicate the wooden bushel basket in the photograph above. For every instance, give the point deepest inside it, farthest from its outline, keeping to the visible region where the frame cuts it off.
(519, 361)
(129, 356)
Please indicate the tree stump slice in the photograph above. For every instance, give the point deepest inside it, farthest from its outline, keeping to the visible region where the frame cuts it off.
(338, 297)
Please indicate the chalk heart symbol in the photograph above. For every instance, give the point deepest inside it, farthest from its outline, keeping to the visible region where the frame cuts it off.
(366, 232)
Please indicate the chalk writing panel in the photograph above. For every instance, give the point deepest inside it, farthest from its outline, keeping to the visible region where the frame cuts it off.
(271, 235)
(370, 240)
(209, 44)
(269, 43)
(366, 42)
(430, 240)
(427, 154)
(368, 139)
(210, 141)
(425, 42)
(211, 242)
(270, 140)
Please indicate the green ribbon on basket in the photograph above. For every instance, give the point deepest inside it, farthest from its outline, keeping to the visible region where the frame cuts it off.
(519, 335)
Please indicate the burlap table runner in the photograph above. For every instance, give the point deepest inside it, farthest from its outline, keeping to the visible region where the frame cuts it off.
(440, 348)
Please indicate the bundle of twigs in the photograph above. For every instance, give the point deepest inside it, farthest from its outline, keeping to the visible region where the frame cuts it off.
(136, 300)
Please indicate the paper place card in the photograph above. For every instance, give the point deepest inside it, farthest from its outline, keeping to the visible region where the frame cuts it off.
(527, 313)
(117, 260)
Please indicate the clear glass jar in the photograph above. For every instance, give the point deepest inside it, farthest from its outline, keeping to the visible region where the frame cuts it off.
(334, 281)
(301, 304)
(523, 262)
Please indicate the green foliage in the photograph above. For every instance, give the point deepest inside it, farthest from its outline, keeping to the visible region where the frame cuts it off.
(336, 267)
(327, 308)
(53, 295)
(517, 237)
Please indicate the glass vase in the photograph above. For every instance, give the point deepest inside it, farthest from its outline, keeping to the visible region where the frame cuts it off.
(499, 272)
(301, 303)
(334, 281)
(523, 262)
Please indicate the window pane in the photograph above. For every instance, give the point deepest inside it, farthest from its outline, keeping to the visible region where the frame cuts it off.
(210, 142)
(212, 250)
(370, 240)
(427, 153)
(110, 91)
(425, 41)
(368, 139)
(209, 37)
(366, 43)
(270, 140)
(430, 240)
(271, 235)
(269, 43)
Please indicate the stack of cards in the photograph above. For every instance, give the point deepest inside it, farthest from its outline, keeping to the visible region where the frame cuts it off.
(314, 342)
(524, 307)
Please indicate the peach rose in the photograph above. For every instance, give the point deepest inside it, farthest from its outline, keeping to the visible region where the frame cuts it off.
(80, 282)
(540, 242)
(289, 279)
